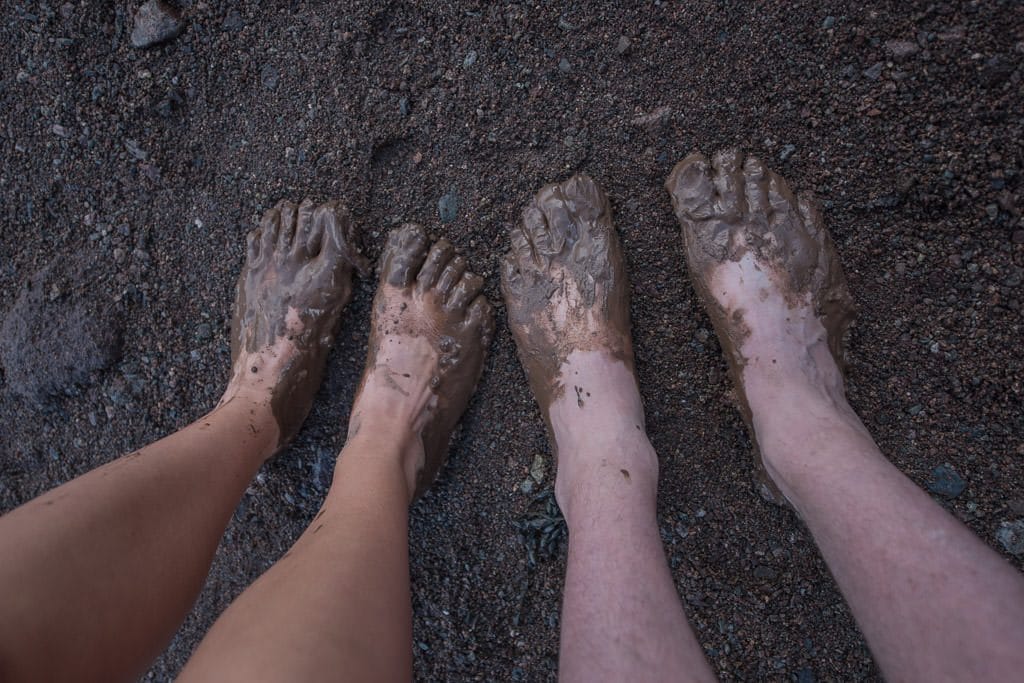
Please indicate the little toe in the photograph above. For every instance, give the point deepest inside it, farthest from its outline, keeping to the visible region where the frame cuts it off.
(468, 286)
(404, 254)
(341, 236)
(303, 227)
(689, 184)
(755, 185)
(728, 181)
(286, 233)
(779, 195)
(480, 315)
(440, 254)
(270, 224)
(810, 211)
(252, 245)
(450, 275)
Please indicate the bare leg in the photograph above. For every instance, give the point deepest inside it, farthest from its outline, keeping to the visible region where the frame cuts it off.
(338, 605)
(97, 574)
(772, 283)
(566, 290)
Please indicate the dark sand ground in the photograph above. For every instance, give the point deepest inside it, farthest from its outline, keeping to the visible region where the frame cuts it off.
(134, 174)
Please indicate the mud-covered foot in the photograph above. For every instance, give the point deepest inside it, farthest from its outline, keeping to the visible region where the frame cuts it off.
(768, 275)
(567, 294)
(296, 280)
(429, 336)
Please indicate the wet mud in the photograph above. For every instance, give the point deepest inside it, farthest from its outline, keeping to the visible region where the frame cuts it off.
(426, 291)
(296, 280)
(565, 284)
(730, 207)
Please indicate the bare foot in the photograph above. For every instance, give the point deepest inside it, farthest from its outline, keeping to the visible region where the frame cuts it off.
(296, 280)
(770, 279)
(567, 294)
(429, 336)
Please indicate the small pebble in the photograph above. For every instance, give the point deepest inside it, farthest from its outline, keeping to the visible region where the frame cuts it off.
(269, 76)
(1011, 536)
(946, 482)
(828, 23)
(564, 65)
(448, 206)
(622, 47)
(156, 21)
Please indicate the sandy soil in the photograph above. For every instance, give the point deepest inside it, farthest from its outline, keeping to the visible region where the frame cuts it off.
(130, 176)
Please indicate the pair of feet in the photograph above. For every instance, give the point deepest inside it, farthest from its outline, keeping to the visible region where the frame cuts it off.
(760, 259)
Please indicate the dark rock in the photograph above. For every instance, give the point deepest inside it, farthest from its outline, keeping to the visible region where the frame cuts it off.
(156, 21)
(269, 76)
(51, 342)
(232, 22)
(902, 49)
(623, 46)
(873, 72)
(946, 482)
(469, 60)
(828, 23)
(448, 206)
(564, 65)
(1011, 536)
(787, 152)
(764, 572)
(996, 70)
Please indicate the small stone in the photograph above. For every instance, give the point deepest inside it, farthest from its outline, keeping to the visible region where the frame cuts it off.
(564, 66)
(901, 49)
(1011, 536)
(915, 409)
(565, 25)
(764, 572)
(786, 152)
(828, 23)
(946, 482)
(156, 21)
(448, 206)
(203, 331)
(59, 130)
(622, 47)
(527, 486)
(269, 76)
(232, 22)
(469, 60)
(539, 468)
(403, 106)
(873, 72)
(653, 120)
(133, 148)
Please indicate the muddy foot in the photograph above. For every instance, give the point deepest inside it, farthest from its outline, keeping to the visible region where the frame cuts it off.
(296, 280)
(429, 336)
(565, 286)
(768, 275)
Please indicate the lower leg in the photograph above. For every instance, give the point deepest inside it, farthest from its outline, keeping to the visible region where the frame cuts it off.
(621, 614)
(99, 572)
(339, 600)
(902, 562)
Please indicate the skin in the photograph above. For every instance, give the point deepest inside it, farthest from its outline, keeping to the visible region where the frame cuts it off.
(934, 602)
(338, 603)
(567, 294)
(99, 572)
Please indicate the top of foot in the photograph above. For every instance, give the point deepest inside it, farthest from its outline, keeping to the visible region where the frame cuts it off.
(565, 284)
(296, 280)
(766, 270)
(429, 336)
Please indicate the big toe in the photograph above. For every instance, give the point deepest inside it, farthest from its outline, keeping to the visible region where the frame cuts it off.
(404, 253)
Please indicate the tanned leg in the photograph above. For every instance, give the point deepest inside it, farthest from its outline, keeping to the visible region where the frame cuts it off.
(567, 295)
(933, 601)
(337, 606)
(98, 573)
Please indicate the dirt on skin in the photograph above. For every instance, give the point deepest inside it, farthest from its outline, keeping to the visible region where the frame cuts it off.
(732, 207)
(296, 281)
(904, 118)
(565, 249)
(426, 291)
